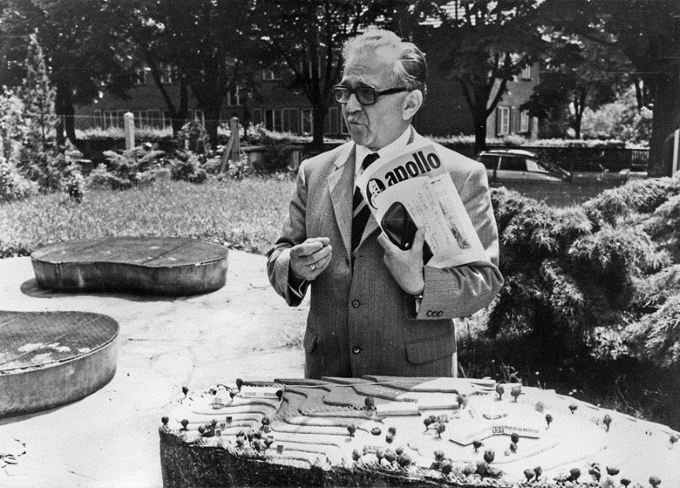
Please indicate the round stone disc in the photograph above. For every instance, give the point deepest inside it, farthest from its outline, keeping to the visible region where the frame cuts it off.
(154, 265)
(48, 359)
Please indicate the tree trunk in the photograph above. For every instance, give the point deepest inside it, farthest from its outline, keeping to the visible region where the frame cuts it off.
(318, 116)
(179, 116)
(479, 118)
(59, 109)
(666, 120)
(212, 121)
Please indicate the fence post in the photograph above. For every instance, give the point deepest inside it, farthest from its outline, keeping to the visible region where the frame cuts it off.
(235, 136)
(129, 129)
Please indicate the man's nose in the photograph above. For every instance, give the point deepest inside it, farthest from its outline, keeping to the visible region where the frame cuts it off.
(353, 104)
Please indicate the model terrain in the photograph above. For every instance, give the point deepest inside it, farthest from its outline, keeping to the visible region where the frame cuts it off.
(407, 431)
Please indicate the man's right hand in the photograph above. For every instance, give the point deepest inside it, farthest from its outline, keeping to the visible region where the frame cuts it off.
(309, 259)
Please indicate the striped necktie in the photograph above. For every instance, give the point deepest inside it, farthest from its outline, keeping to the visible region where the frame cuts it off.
(360, 211)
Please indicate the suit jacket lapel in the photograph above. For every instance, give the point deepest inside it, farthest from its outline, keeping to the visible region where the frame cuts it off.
(341, 188)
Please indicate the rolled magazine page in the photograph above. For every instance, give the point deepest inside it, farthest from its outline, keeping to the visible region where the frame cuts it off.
(412, 189)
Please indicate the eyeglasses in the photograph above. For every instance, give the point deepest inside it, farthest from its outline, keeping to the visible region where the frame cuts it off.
(366, 95)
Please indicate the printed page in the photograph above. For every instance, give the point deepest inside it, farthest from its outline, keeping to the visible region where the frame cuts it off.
(412, 189)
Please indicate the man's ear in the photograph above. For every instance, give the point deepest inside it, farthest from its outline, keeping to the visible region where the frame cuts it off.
(412, 103)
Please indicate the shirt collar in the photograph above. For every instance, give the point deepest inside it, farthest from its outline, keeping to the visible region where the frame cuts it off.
(397, 145)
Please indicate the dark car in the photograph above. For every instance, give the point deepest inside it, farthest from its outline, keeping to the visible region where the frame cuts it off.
(520, 165)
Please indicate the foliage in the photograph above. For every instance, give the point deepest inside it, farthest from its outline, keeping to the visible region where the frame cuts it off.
(210, 45)
(576, 74)
(240, 169)
(646, 32)
(277, 150)
(481, 46)
(306, 37)
(189, 166)
(193, 137)
(12, 126)
(86, 47)
(135, 167)
(621, 119)
(601, 277)
(12, 185)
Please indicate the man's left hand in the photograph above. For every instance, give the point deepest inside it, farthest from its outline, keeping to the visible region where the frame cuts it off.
(406, 266)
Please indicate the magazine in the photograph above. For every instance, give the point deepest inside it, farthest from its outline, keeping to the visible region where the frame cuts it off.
(412, 189)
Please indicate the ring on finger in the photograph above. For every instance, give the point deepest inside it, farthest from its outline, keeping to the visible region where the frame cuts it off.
(313, 266)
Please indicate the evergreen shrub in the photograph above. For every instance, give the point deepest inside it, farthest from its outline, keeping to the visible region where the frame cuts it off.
(603, 277)
(13, 186)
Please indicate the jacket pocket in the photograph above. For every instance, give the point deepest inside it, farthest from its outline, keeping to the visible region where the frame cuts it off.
(310, 340)
(426, 350)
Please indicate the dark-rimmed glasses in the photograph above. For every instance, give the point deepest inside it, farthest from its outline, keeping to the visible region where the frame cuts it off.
(366, 95)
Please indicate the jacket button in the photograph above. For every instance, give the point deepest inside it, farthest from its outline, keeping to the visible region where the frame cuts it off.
(356, 349)
(355, 303)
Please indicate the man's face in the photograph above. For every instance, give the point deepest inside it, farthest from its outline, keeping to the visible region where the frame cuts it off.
(377, 125)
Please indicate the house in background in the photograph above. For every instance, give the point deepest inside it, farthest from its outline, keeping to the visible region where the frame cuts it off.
(445, 111)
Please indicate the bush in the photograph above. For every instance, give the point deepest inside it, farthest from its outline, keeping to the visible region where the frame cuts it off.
(620, 120)
(13, 186)
(576, 276)
(188, 166)
(193, 137)
(136, 167)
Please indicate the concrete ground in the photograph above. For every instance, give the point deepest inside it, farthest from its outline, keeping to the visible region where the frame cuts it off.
(110, 438)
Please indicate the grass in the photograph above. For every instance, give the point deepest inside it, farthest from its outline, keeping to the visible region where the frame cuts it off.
(245, 215)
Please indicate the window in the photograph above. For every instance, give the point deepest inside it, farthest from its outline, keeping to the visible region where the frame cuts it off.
(332, 126)
(307, 121)
(503, 121)
(273, 120)
(139, 77)
(167, 119)
(153, 118)
(489, 161)
(524, 121)
(113, 118)
(98, 121)
(271, 75)
(526, 72)
(139, 118)
(169, 75)
(120, 116)
(233, 97)
(199, 117)
(512, 163)
(291, 120)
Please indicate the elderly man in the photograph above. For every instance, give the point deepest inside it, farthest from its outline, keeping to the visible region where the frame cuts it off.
(376, 309)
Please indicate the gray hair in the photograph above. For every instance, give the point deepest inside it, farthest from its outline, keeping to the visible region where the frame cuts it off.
(410, 67)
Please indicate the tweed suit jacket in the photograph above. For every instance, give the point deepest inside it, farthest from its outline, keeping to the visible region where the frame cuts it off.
(360, 321)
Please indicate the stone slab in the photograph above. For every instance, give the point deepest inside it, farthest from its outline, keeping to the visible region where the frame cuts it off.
(155, 265)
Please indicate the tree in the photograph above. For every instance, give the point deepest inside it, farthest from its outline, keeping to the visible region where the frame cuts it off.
(648, 33)
(38, 98)
(208, 43)
(576, 74)
(306, 36)
(484, 44)
(82, 56)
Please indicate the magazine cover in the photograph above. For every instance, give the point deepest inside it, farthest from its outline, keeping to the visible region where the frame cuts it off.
(412, 189)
